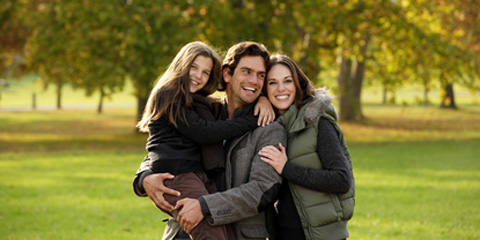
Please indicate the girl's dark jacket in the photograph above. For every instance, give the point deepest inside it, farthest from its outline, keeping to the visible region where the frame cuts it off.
(177, 150)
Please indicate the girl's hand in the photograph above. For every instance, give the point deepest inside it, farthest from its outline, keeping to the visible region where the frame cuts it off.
(265, 109)
(276, 158)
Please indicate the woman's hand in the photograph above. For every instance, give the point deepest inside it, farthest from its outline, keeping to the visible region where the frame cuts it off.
(265, 109)
(153, 185)
(276, 158)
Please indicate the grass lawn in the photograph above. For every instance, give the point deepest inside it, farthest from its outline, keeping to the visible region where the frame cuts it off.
(67, 175)
(417, 173)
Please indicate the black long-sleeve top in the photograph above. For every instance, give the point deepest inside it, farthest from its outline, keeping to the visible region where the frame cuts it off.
(333, 178)
(177, 150)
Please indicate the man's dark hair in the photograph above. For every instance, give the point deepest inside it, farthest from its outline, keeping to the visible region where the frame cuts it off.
(239, 50)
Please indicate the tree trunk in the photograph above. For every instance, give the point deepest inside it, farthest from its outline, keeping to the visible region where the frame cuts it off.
(426, 87)
(59, 95)
(345, 90)
(100, 103)
(448, 100)
(350, 81)
(357, 89)
(384, 97)
(425, 96)
(34, 101)
(358, 79)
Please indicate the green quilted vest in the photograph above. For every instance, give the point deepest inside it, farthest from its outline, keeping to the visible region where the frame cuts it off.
(323, 215)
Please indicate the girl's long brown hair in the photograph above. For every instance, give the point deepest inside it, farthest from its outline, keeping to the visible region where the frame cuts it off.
(171, 94)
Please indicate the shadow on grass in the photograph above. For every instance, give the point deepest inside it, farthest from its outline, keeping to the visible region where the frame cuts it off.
(58, 143)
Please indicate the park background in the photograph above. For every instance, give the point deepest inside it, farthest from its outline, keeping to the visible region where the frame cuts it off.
(74, 76)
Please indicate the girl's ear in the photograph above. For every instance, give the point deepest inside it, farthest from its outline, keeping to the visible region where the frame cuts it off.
(226, 74)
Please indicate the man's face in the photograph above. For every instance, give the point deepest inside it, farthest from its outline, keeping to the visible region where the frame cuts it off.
(246, 82)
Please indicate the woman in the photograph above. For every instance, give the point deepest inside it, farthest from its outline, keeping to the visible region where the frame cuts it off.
(317, 198)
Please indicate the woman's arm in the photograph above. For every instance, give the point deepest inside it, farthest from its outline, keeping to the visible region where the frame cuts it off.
(265, 112)
(335, 176)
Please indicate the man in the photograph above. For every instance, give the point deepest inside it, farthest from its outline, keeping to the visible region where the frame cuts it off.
(251, 184)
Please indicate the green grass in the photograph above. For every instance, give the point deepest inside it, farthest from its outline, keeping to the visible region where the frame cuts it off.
(67, 175)
(417, 190)
(417, 173)
(73, 196)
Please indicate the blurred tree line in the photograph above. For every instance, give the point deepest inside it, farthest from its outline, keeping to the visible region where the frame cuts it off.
(98, 45)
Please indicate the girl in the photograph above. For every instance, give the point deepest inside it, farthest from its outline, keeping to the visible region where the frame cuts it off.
(173, 117)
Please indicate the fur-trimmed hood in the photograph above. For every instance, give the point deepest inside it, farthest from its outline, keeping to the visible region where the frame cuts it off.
(319, 105)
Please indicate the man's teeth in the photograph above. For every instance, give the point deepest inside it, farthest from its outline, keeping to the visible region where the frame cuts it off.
(249, 89)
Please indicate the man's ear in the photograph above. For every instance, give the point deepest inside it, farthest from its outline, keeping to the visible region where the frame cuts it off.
(226, 74)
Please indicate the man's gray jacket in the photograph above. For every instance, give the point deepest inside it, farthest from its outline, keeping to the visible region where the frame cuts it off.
(252, 184)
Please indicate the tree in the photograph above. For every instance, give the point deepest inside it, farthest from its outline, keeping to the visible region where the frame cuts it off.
(98, 36)
(14, 35)
(49, 53)
(97, 45)
(447, 43)
(154, 33)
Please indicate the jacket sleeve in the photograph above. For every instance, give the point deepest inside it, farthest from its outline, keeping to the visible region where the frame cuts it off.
(207, 132)
(143, 171)
(261, 183)
(335, 176)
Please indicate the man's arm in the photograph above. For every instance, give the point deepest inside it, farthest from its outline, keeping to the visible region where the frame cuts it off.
(249, 198)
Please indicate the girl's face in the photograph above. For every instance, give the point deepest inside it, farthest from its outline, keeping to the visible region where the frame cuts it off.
(280, 87)
(200, 72)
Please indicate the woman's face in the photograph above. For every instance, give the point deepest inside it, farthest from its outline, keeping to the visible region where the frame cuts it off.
(200, 72)
(280, 87)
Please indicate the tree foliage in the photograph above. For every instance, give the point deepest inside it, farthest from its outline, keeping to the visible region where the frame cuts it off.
(97, 45)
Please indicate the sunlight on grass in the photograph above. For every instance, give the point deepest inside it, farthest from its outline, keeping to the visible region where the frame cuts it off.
(78, 197)
(451, 180)
(402, 124)
(416, 190)
(412, 94)
(68, 174)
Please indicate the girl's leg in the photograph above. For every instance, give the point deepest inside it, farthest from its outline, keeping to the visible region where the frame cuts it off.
(194, 185)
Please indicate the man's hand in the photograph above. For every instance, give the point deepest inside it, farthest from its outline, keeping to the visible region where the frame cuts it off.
(153, 185)
(190, 215)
